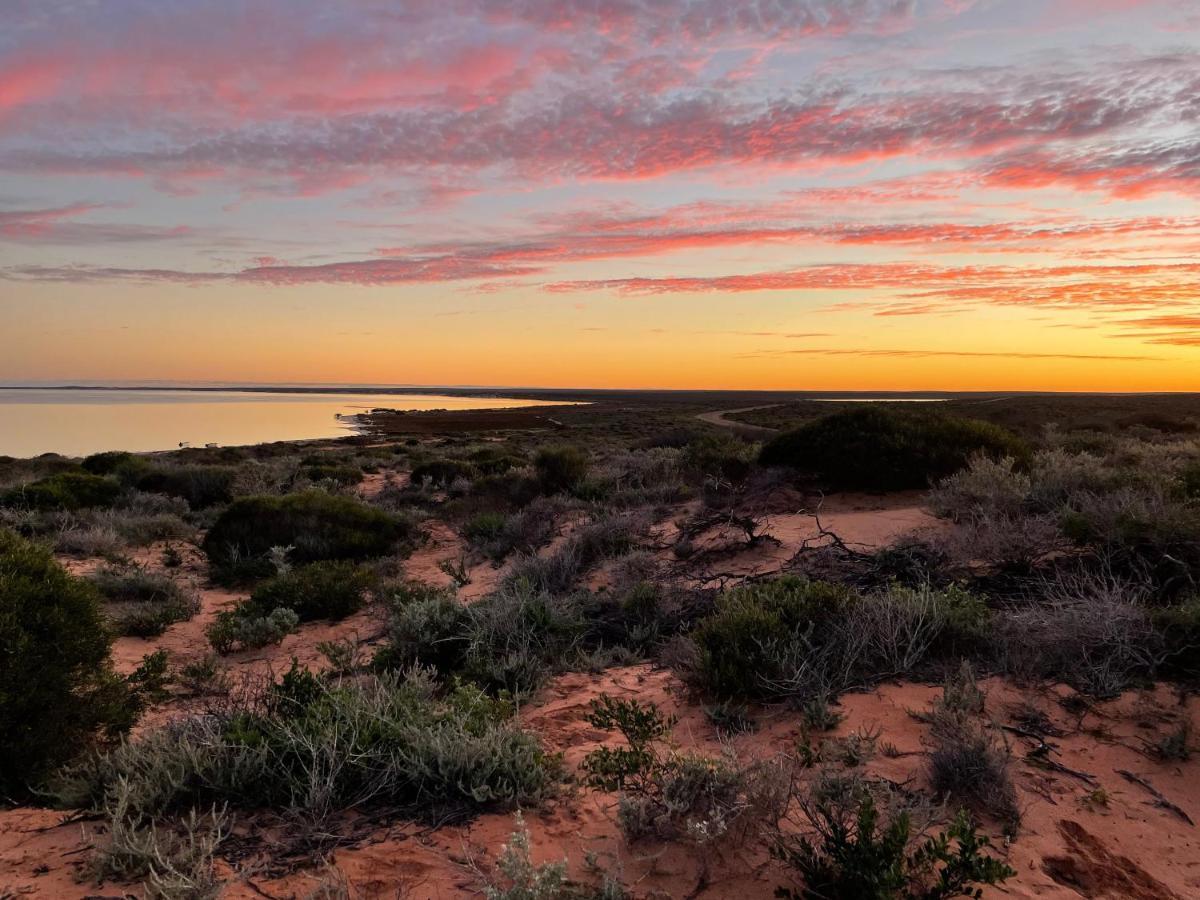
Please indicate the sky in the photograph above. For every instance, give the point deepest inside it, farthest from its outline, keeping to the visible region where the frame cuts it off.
(819, 194)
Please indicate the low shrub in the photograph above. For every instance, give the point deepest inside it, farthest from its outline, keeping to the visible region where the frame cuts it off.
(509, 641)
(743, 647)
(880, 449)
(1090, 628)
(58, 691)
(525, 531)
(986, 486)
(605, 537)
(522, 879)
(314, 525)
(1008, 543)
(484, 527)
(970, 761)
(1189, 479)
(560, 469)
(109, 462)
(672, 796)
(320, 590)
(342, 476)
(143, 604)
(1142, 532)
(63, 491)
(811, 640)
(244, 628)
(494, 460)
(846, 849)
(200, 486)
(442, 472)
(427, 627)
(315, 747)
(719, 455)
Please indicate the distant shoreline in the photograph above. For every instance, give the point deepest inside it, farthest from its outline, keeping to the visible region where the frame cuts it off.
(589, 393)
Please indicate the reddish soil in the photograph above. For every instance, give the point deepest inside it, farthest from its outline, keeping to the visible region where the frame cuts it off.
(1087, 830)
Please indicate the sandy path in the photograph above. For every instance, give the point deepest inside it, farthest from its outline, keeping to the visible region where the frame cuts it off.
(717, 417)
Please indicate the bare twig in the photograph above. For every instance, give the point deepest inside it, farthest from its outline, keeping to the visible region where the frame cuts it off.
(1159, 800)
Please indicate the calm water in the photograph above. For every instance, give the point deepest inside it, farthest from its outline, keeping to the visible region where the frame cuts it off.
(76, 423)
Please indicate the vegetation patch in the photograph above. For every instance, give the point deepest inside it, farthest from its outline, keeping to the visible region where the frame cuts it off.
(879, 449)
(312, 526)
(58, 691)
(315, 746)
(63, 491)
(143, 604)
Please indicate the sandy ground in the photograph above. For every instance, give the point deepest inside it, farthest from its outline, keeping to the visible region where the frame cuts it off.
(719, 418)
(1088, 832)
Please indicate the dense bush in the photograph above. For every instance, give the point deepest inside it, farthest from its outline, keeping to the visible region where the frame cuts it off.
(427, 627)
(63, 491)
(313, 525)
(811, 640)
(442, 472)
(108, 462)
(341, 475)
(316, 747)
(719, 455)
(494, 460)
(200, 486)
(743, 646)
(141, 603)
(879, 449)
(320, 590)
(560, 469)
(57, 688)
(509, 641)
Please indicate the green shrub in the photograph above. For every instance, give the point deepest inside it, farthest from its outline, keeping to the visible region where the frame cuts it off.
(879, 449)
(494, 460)
(200, 486)
(141, 603)
(428, 630)
(509, 641)
(320, 590)
(719, 455)
(108, 462)
(57, 687)
(809, 641)
(849, 853)
(560, 469)
(317, 747)
(342, 476)
(525, 531)
(742, 646)
(244, 628)
(673, 796)
(442, 472)
(1189, 478)
(484, 527)
(314, 525)
(66, 491)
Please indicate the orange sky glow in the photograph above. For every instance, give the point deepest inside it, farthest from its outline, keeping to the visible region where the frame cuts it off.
(820, 194)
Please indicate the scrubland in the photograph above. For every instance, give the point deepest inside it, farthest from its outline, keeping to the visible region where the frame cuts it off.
(872, 653)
